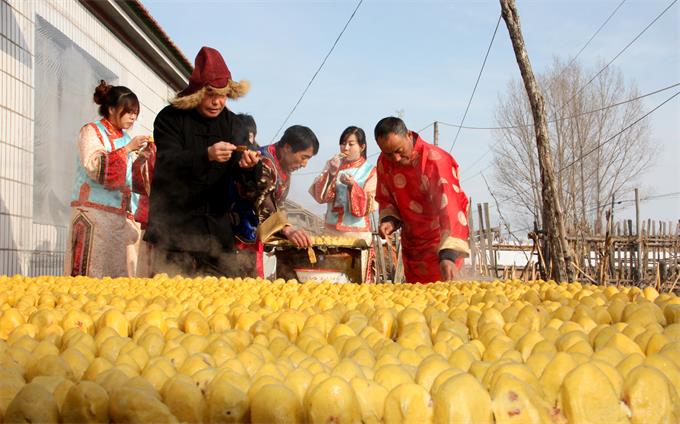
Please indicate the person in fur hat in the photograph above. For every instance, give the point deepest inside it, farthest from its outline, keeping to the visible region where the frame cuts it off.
(201, 147)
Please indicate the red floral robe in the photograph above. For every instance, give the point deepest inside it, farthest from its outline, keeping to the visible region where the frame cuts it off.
(426, 198)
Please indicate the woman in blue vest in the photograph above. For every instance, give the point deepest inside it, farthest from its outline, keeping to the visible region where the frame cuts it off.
(347, 185)
(111, 173)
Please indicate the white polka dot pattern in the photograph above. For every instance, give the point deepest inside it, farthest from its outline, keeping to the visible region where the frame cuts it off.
(399, 181)
(424, 184)
(461, 218)
(415, 206)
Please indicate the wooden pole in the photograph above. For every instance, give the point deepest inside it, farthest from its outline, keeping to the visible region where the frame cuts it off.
(472, 241)
(610, 244)
(638, 273)
(436, 133)
(482, 241)
(645, 251)
(489, 238)
(631, 252)
(606, 268)
(526, 267)
(380, 269)
(585, 274)
(553, 222)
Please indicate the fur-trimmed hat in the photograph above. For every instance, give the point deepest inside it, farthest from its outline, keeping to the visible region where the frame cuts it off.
(209, 70)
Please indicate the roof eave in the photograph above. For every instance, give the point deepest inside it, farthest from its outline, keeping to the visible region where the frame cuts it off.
(141, 35)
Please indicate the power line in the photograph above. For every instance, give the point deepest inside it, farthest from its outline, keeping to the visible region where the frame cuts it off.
(477, 174)
(560, 119)
(590, 81)
(318, 70)
(586, 45)
(599, 145)
(479, 76)
(619, 54)
(424, 128)
(472, 165)
(552, 121)
(642, 200)
(522, 126)
(321, 170)
(595, 34)
(461, 126)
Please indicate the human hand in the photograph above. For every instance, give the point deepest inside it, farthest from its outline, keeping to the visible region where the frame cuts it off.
(297, 236)
(137, 143)
(249, 158)
(220, 151)
(386, 228)
(347, 179)
(333, 165)
(448, 270)
(147, 151)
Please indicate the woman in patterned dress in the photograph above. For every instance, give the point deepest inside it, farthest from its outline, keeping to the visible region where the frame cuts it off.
(111, 173)
(347, 185)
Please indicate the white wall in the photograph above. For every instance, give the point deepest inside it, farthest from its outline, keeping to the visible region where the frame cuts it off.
(27, 247)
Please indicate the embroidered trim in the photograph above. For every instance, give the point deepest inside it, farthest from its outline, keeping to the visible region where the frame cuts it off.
(103, 165)
(111, 131)
(99, 134)
(84, 192)
(82, 234)
(389, 211)
(459, 245)
(88, 204)
(282, 179)
(357, 163)
(340, 227)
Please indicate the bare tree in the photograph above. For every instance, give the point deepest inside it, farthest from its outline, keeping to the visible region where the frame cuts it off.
(580, 119)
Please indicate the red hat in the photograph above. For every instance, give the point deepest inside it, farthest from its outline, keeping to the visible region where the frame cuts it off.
(209, 69)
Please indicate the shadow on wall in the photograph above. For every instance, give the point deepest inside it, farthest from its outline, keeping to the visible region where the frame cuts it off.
(9, 256)
(8, 22)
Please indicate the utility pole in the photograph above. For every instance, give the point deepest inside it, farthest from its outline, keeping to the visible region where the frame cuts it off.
(436, 133)
(553, 222)
(639, 274)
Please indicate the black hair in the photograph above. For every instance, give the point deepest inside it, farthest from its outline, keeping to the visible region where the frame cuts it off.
(299, 138)
(360, 135)
(248, 122)
(390, 125)
(115, 96)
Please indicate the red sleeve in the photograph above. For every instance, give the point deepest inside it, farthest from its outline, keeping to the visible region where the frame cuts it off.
(323, 188)
(383, 194)
(142, 172)
(451, 201)
(360, 197)
(113, 169)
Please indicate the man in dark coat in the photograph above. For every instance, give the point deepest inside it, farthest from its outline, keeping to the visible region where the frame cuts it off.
(200, 150)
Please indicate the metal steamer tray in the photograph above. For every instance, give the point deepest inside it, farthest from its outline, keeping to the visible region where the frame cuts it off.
(335, 263)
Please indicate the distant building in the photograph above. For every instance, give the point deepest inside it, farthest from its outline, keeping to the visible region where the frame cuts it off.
(52, 55)
(303, 218)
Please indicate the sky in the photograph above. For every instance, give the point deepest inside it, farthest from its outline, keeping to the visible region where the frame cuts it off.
(420, 59)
